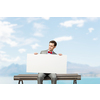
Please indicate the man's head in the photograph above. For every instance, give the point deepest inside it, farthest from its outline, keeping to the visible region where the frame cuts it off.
(52, 45)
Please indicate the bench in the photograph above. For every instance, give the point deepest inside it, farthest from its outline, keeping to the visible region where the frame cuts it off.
(22, 77)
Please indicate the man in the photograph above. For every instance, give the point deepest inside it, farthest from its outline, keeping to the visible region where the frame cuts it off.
(52, 45)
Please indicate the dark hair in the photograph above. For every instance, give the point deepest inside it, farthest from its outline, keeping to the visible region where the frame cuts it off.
(52, 41)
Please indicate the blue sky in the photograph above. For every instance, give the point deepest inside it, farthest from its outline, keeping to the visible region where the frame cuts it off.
(77, 37)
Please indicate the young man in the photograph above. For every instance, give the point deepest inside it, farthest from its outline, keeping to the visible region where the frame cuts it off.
(52, 45)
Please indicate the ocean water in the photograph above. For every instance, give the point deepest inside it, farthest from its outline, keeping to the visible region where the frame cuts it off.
(84, 80)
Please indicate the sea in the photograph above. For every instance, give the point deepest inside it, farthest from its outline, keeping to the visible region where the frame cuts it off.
(84, 80)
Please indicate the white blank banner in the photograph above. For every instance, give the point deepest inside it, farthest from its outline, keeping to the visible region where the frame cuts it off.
(44, 63)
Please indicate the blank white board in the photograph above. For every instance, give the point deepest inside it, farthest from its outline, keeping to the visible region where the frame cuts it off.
(44, 63)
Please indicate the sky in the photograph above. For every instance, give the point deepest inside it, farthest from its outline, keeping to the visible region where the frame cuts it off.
(76, 37)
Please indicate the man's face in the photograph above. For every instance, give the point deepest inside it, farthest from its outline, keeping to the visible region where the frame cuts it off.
(51, 46)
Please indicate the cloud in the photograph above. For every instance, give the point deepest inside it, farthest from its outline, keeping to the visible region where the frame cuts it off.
(86, 18)
(2, 52)
(7, 36)
(21, 41)
(75, 18)
(38, 26)
(2, 18)
(35, 46)
(4, 57)
(12, 43)
(91, 29)
(11, 60)
(27, 41)
(92, 18)
(30, 19)
(70, 23)
(22, 50)
(95, 39)
(1, 45)
(38, 34)
(38, 29)
(63, 38)
(46, 18)
(6, 31)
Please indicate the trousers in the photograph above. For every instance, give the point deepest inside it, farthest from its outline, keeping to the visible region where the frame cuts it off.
(41, 77)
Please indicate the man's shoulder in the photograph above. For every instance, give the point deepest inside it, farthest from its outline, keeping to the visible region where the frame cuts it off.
(54, 53)
(43, 51)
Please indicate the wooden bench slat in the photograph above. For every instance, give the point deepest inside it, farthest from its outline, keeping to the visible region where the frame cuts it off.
(47, 76)
(49, 79)
(35, 78)
(35, 75)
(57, 74)
(73, 76)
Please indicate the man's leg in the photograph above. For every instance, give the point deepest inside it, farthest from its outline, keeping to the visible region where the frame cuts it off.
(40, 78)
(53, 78)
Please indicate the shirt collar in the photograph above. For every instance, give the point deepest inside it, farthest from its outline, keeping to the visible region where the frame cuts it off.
(52, 51)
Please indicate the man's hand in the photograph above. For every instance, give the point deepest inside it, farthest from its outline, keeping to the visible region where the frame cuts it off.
(35, 53)
(60, 54)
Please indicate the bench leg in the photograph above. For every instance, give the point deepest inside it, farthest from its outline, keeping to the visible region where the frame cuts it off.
(22, 81)
(75, 82)
(19, 82)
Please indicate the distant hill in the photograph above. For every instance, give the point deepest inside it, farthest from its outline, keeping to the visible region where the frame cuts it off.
(13, 69)
(84, 70)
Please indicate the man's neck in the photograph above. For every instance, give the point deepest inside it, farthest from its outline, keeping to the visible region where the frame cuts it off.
(49, 50)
